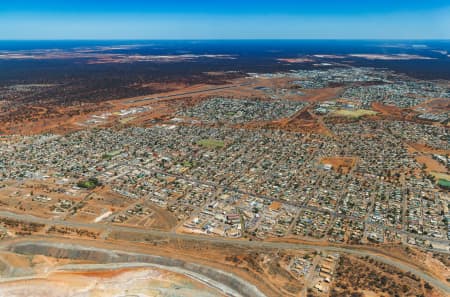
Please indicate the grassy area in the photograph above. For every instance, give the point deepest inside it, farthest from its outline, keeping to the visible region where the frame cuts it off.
(357, 113)
(110, 155)
(211, 143)
(188, 164)
(444, 183)
(439, 175)
(89, 184)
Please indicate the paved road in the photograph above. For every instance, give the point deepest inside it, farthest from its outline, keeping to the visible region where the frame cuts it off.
(189, 93)
(253, 244)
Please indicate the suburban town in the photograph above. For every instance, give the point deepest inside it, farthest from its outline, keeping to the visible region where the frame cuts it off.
(337, 157)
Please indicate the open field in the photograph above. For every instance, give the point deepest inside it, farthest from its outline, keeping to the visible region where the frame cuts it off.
(431, 164)
(353, 113)
(436, 105)
(340, 164)
(392, 112)
(439, 175)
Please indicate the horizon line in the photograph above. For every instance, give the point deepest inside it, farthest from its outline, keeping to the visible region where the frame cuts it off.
(229, 39)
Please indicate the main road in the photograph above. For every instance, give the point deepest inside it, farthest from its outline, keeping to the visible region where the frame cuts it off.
(359, 251)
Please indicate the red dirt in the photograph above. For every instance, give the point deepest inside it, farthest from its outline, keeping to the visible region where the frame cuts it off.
(344, 164)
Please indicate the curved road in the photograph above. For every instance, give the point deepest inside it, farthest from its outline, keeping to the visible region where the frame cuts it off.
(237, 242)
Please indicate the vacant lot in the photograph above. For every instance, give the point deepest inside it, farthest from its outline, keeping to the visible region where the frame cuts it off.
(344, 164)
(357, 113)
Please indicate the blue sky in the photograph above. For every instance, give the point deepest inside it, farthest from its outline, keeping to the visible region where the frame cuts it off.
(199, 19)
